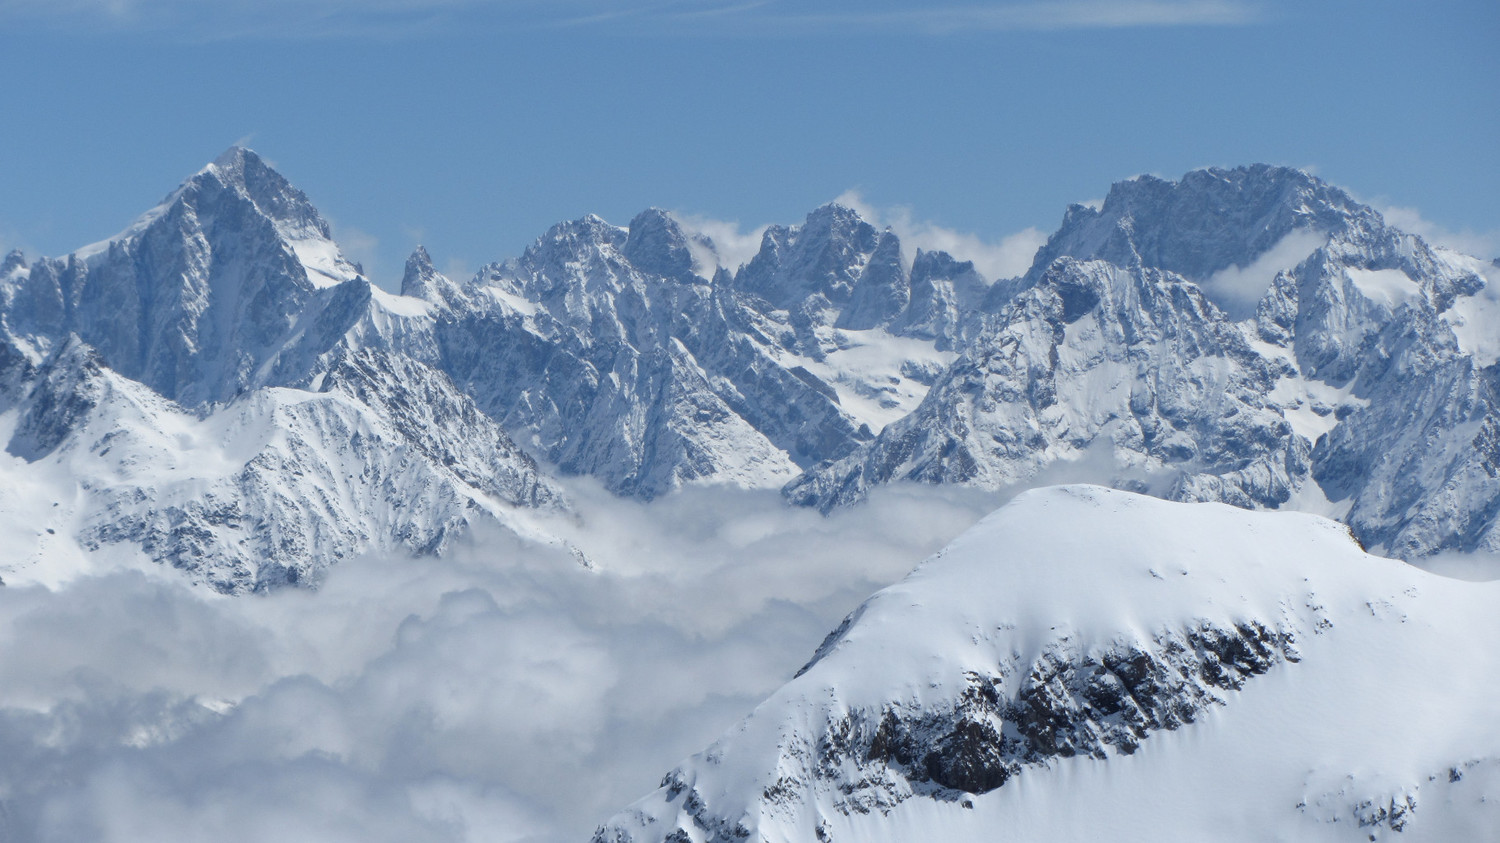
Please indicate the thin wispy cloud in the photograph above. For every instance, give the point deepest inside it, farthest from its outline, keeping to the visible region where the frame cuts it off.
(404, 18)
(734, 246)
(1070, 14)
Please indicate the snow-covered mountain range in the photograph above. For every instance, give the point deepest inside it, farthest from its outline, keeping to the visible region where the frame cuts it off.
(1253, 336)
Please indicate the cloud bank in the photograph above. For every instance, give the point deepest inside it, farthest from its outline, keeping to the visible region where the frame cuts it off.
(506, 693)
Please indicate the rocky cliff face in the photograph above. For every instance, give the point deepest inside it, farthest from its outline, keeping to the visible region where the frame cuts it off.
(199, 294)
(1229, 337)
(1138, 359)
(615, 353)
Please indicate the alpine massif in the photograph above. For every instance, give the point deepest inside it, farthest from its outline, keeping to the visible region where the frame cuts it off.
(220, 390)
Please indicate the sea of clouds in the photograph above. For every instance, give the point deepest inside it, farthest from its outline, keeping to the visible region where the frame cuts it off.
(506, 692)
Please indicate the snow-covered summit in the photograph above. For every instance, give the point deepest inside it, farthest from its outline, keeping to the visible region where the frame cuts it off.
(199, 293)
(1088, 664)
(1208, 221)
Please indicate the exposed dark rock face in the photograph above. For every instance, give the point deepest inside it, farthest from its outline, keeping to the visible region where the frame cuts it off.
(1060, 705)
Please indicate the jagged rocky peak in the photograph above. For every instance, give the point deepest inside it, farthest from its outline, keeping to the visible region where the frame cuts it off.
(659, 245)
(273, 195)
(944, 293)
(68, 386)
(419, 273)
(577, 255)
(15, 259)
(825, 256)
(883, 289)
(1210, 220)
(16, 370)
(422, 280)
(1136, 360)
(197, 292)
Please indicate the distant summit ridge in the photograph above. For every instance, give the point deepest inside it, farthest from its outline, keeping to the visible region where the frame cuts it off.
(1250, 335)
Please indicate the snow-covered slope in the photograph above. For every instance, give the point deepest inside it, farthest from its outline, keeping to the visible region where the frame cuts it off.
(1094, 664)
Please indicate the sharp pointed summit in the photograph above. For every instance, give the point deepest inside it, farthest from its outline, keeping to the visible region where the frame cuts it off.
(199, 291)
(422, 280)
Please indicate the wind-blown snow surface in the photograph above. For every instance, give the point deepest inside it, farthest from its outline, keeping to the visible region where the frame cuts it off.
(500, 692)
(1088, 664)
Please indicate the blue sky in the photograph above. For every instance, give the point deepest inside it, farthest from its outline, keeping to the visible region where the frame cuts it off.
(472, 125)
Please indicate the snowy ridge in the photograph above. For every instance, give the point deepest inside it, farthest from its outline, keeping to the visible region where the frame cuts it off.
(1206, 652)
(268, 491)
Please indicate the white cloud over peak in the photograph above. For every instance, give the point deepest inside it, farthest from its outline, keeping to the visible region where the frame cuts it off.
(1238, 289)
(1480, 244)
(735, 245)
(1004, 258)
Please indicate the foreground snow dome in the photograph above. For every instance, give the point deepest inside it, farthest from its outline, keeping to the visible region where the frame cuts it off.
(1090, 664)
